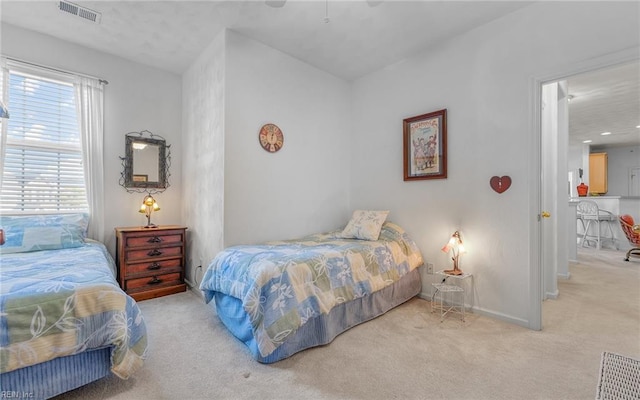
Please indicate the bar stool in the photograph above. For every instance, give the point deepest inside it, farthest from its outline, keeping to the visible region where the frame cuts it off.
(592, 215)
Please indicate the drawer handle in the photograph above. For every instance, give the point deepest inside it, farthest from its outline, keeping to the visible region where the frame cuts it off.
(153, 266)
(155, 239)
(154, 252)
(154, 281)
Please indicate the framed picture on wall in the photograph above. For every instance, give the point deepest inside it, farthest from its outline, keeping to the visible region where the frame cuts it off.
(425, 146)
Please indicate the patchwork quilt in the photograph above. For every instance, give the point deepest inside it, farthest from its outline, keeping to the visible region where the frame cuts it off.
(56, 303)
(283, 284)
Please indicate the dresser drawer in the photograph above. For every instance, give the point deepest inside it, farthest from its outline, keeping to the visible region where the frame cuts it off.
(153, 267)
(150, 282)
(145, 254)
(151, 261)
(152, 240)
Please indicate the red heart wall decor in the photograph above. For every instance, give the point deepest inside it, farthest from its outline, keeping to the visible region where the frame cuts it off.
(500, 183)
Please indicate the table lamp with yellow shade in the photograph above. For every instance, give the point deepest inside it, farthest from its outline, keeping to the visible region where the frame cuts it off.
(149, 205)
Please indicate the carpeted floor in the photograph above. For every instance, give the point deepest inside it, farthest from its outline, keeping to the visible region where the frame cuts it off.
(405, 354)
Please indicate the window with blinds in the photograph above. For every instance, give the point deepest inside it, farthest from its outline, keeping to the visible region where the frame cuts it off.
(42, 169)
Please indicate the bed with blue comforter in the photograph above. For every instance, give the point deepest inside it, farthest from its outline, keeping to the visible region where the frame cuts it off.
(283, 297)
(64, 321)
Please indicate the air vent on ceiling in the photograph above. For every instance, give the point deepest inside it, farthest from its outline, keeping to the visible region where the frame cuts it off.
(79, 11)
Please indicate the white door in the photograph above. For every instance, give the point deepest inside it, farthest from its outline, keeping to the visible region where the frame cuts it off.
(555, 194)
(549, 159)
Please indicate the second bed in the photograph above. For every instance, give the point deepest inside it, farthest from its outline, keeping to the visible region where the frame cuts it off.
(283, 297)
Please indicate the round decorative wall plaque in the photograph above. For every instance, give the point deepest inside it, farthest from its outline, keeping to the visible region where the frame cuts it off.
(271, 138)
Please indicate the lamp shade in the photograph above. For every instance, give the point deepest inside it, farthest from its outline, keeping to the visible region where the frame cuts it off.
(148, 206)
(450, 245)
(454, 243)
(461, 249)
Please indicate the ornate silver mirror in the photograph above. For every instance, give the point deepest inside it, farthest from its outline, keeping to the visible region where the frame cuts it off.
(146, 163)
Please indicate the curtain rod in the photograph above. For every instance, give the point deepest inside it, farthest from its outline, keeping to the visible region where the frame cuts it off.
(103, 81)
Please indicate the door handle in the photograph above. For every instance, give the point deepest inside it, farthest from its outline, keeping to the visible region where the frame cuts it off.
(545, 214)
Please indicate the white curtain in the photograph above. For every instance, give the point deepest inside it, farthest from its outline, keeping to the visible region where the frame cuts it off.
(90, 104)
(4, 93)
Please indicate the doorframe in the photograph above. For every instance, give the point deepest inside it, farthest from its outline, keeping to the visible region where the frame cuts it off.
(630, 177)
(535, 164)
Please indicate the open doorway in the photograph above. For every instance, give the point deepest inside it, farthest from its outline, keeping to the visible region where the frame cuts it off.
(603, 97)
(543, 267)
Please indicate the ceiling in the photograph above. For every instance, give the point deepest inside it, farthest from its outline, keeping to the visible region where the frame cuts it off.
(606, 100)
(361, 36)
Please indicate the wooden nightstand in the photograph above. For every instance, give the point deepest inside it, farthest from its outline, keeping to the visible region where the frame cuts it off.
(151, 261)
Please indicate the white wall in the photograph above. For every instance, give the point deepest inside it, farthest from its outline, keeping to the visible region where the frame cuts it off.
(138, 97)
(203, 166)
(484, 79)
(234, 191)
(574, 162)
(304, 187)
(619, 160)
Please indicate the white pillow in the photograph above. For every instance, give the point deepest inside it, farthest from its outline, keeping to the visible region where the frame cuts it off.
(365, 225)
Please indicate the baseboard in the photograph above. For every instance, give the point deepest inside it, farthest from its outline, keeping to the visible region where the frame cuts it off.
(189, 283)
(425, 296)
(488, 313)
(564, 276)
(194, 289)
(501, 317)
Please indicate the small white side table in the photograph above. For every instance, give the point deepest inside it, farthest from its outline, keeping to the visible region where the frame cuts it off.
(443, 299)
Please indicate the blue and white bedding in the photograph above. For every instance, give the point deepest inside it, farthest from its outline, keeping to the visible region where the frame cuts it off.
(282, 285)
(55, 303)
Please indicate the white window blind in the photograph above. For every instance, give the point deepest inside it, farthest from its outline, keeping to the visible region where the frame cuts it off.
(42, 169)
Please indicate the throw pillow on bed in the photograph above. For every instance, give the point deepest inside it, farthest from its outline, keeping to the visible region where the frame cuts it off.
(24, 233)
(365, 225)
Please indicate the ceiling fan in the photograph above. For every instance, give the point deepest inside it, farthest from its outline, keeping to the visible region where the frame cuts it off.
(275, 3)
(281, 3)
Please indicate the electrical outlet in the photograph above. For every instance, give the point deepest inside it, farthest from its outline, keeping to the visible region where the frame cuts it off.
(429, 268)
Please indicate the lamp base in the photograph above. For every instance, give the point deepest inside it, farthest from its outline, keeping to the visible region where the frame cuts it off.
(453, 272)
(151, 226)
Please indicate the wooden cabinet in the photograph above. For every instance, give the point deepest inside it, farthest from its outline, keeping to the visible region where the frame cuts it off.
(151, 261)
(598, 173)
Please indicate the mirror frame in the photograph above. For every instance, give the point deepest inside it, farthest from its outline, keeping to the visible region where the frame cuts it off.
(163, 166)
